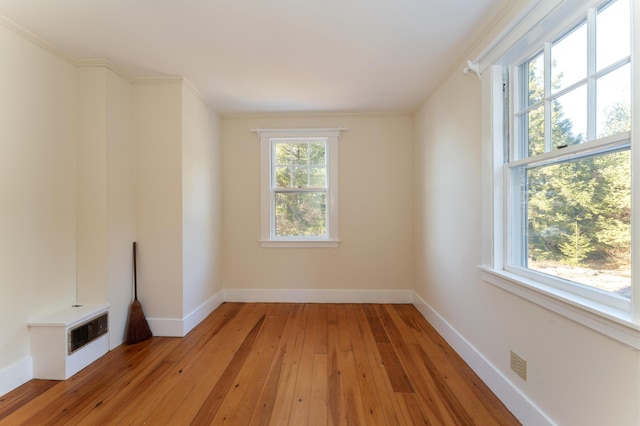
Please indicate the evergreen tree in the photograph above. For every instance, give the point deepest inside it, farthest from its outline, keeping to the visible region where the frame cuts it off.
(575, 247)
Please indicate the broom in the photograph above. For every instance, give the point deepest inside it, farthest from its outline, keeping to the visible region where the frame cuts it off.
(138, 328)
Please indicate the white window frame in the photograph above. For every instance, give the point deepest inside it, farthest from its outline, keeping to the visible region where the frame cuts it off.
(539, 22)
(268, 236)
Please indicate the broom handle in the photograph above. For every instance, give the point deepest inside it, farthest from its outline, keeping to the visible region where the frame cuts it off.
(135, 274)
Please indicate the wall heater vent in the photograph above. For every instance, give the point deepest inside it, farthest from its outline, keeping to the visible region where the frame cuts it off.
(86, 332)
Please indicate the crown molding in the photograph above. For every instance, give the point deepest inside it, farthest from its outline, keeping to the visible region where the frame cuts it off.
(169, 80)
(159, 80)
(38, 41)
(185, 83)
(105, 63)
(193, 89)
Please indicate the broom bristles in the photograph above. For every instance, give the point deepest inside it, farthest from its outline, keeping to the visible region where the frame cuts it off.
(138, 327)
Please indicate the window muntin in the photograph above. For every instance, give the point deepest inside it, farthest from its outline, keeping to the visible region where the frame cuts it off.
(568, 189)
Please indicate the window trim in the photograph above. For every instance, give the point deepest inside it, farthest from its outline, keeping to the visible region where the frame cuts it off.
(267, 210)
(531, 27)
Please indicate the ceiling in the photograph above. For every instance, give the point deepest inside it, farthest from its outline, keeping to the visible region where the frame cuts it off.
(272, 55)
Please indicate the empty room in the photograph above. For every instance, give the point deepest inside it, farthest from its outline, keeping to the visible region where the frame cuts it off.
(296, 212)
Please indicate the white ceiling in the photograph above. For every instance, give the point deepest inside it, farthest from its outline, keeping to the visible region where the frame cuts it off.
(272, 55)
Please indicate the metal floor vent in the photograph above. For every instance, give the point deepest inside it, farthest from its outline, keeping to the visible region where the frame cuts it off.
(87, 332)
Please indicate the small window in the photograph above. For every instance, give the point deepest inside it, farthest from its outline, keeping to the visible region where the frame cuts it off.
(299, 187)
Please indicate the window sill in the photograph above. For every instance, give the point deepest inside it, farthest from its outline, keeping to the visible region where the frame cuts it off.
(604, 319)
(300, 243)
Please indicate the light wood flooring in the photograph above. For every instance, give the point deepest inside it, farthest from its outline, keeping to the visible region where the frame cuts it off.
(273, 364)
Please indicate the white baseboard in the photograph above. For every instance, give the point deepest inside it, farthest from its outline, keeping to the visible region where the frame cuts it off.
(16, 375)
(516, 401)
(317, 296)
(166, 327)
(201, 312)
(179, 327)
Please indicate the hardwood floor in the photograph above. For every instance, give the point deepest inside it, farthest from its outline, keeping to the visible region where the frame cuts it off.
(273, 364)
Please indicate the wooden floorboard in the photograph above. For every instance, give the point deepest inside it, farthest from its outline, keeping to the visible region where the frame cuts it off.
(273, 364)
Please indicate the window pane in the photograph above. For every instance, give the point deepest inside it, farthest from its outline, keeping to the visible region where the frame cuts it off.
(301, 214)
(299, 153)
(283, 177)
(535, 125)
(536, 79)
(569, 118)
(317, 155)
(282, 153)
(613, 33)
(579, 221)
(300, 177)
(569, 59)
(318, 177)
(614, 102)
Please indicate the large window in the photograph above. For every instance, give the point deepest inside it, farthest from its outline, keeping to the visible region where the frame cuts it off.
(299, 187)
(562, 180)
(569, 163)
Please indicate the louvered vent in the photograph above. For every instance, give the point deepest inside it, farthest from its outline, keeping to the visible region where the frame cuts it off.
(87, 332)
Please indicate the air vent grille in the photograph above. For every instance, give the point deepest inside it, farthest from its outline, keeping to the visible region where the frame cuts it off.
(87, 332)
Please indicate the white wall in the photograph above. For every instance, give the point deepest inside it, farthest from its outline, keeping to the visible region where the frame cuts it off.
(574, 375)
(121, 226)
(375, 208)
(201, 202)
(37, 194)
(91, 187)
(158, 133)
